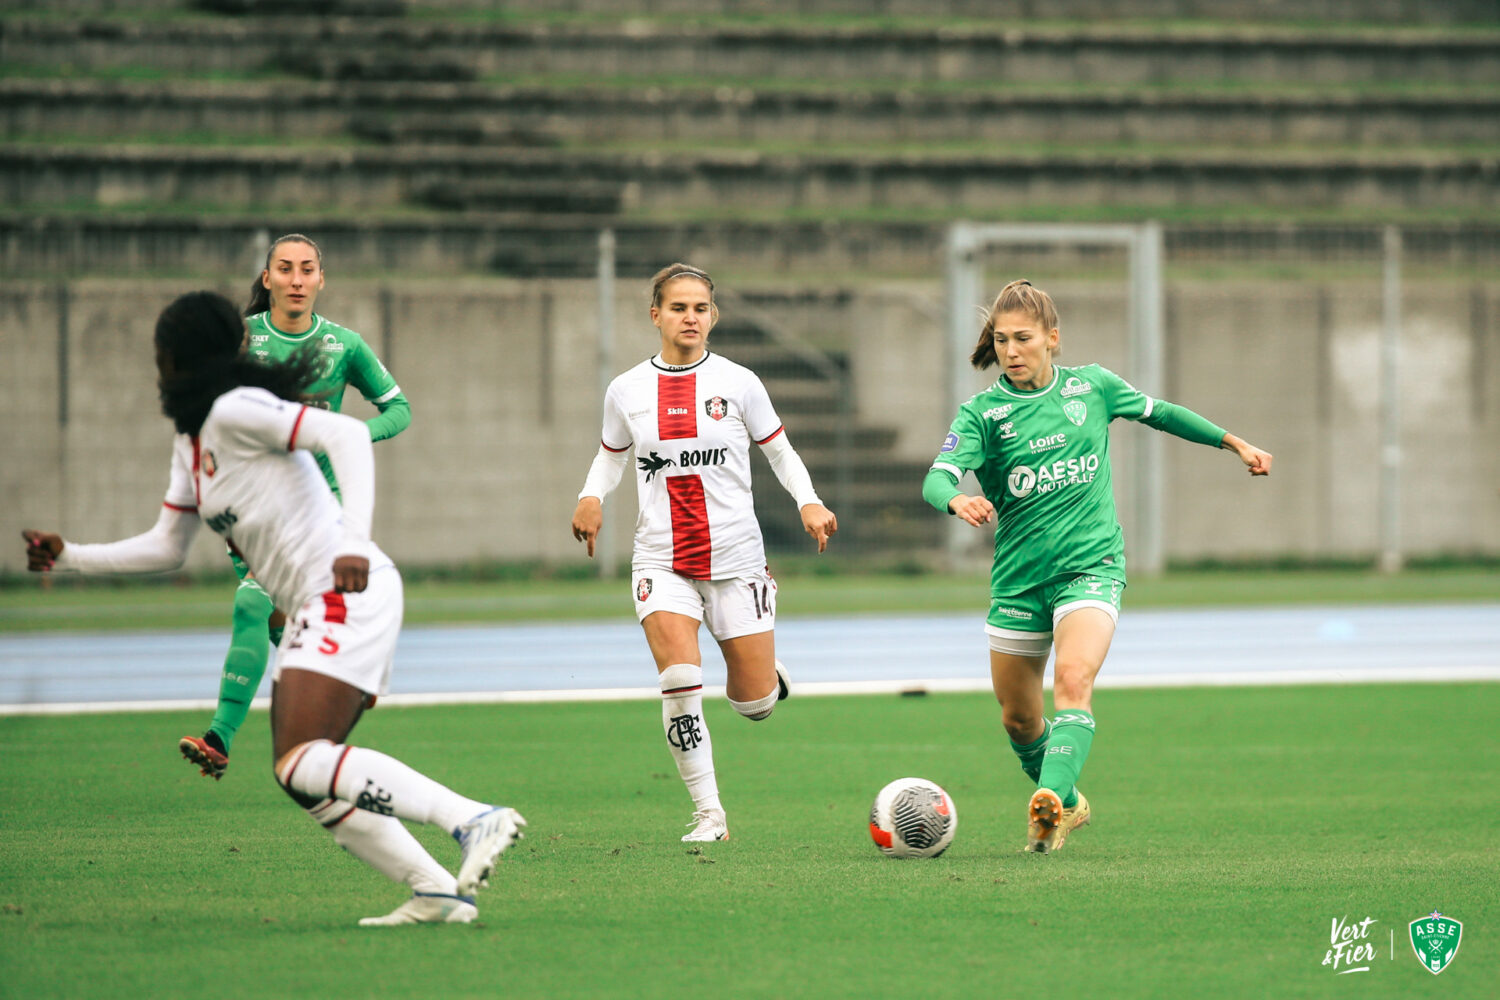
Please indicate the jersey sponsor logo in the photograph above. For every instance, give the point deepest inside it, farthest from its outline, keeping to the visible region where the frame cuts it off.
(1008, 430)
(221, 522)
(1024, 480)
(676, 411)
(1076, 411)
(1048, 443)
(999, 412)
(210, 464)
(653, 464)
(702, 456)
(643, 588)
(949, 443)
(716, 407)
(332, 343)
(1014, 613)
(259, 338)
(1075, 386)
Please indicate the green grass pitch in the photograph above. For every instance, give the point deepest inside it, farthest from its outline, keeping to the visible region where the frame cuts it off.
(1232, 827)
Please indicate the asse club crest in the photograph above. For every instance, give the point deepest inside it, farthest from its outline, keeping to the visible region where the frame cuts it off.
(1075, 410)
(1435, 939)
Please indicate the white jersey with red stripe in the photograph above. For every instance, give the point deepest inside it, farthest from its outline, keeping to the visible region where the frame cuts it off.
(692, 427)
(251, 484)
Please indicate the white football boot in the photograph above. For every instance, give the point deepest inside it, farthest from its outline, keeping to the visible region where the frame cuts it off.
(481, 840)
(427, 908)
(708, 825)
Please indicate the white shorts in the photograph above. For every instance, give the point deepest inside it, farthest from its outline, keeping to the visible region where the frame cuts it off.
(740, 605)
(351, 637)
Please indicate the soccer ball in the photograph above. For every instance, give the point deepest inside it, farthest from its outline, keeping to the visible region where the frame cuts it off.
(913, 818)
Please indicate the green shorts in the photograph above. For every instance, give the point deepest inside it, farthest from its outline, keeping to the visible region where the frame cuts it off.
(1037, 610)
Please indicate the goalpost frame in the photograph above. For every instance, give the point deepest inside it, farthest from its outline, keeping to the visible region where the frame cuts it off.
(967, 242)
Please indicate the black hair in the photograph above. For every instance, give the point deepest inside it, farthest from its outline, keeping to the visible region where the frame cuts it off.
(202, 336)
(260, 295)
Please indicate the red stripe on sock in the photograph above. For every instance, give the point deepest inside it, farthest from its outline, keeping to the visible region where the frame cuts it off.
(692, 543)
(677, 406)
(337, 768)
(334, 609)
(293, 769)
(347, 813)
(695, 687)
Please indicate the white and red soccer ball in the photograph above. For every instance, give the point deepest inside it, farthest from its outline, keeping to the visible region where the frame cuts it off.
(913, 818)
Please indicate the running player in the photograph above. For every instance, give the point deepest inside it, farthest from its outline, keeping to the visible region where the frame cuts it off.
(1038, 443)
(282, 322)
(691, 416)
(243, 464)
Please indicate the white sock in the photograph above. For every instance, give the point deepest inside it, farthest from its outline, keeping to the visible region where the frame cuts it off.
(687, 732)
(385, 845)
(376, 783)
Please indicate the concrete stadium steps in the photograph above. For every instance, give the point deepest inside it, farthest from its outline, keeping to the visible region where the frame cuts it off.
(720, 183)
(478, 114)
(39, 244)
(347, 48)
(1396, 12)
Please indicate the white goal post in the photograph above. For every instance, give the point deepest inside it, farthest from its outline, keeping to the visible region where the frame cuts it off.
(967, 243)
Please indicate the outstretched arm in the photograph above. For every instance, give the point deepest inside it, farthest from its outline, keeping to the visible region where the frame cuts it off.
(940, 488)
(163, 548)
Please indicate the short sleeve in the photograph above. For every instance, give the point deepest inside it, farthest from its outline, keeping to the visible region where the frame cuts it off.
(182, 493)
(369, 375)
(257, 420)
(1121, 399)
(760, 416)
(963, 449)
(616, 434)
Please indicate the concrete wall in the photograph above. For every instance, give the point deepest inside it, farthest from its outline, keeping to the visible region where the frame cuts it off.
(505, 393)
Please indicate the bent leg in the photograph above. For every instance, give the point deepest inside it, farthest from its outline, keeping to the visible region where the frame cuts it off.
(752, 685)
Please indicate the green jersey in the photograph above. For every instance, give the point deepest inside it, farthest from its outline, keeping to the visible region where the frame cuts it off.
(1042, 458)
(348, 360)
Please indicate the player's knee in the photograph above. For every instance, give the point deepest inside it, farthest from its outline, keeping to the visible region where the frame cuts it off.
(1072, 687)
(1023, 727)
(308, 770)
(253, 607)
(760, 708)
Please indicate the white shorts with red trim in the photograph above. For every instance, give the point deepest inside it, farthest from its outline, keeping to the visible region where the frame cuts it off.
(351, 637)
(740, 605)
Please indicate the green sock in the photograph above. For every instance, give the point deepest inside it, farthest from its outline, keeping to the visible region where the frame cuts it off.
(1072, 736)
(1031, 754)
(245, 664)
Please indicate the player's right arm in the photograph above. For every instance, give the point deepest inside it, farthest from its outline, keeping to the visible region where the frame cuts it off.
(962, 451)
(605, 472)
(164, 548)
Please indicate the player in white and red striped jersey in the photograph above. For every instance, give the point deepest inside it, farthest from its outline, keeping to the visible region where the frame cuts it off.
(691, 417)
(243, 464)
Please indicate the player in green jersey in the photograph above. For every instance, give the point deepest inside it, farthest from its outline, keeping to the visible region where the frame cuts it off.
(1038, 443)
(281, 322)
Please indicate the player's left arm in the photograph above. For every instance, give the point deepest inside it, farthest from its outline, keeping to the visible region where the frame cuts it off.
(348, 446)
(1127, 401)
(378, 385)
(767, 431)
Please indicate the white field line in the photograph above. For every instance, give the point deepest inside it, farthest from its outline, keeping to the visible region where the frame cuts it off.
(1255, 678)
